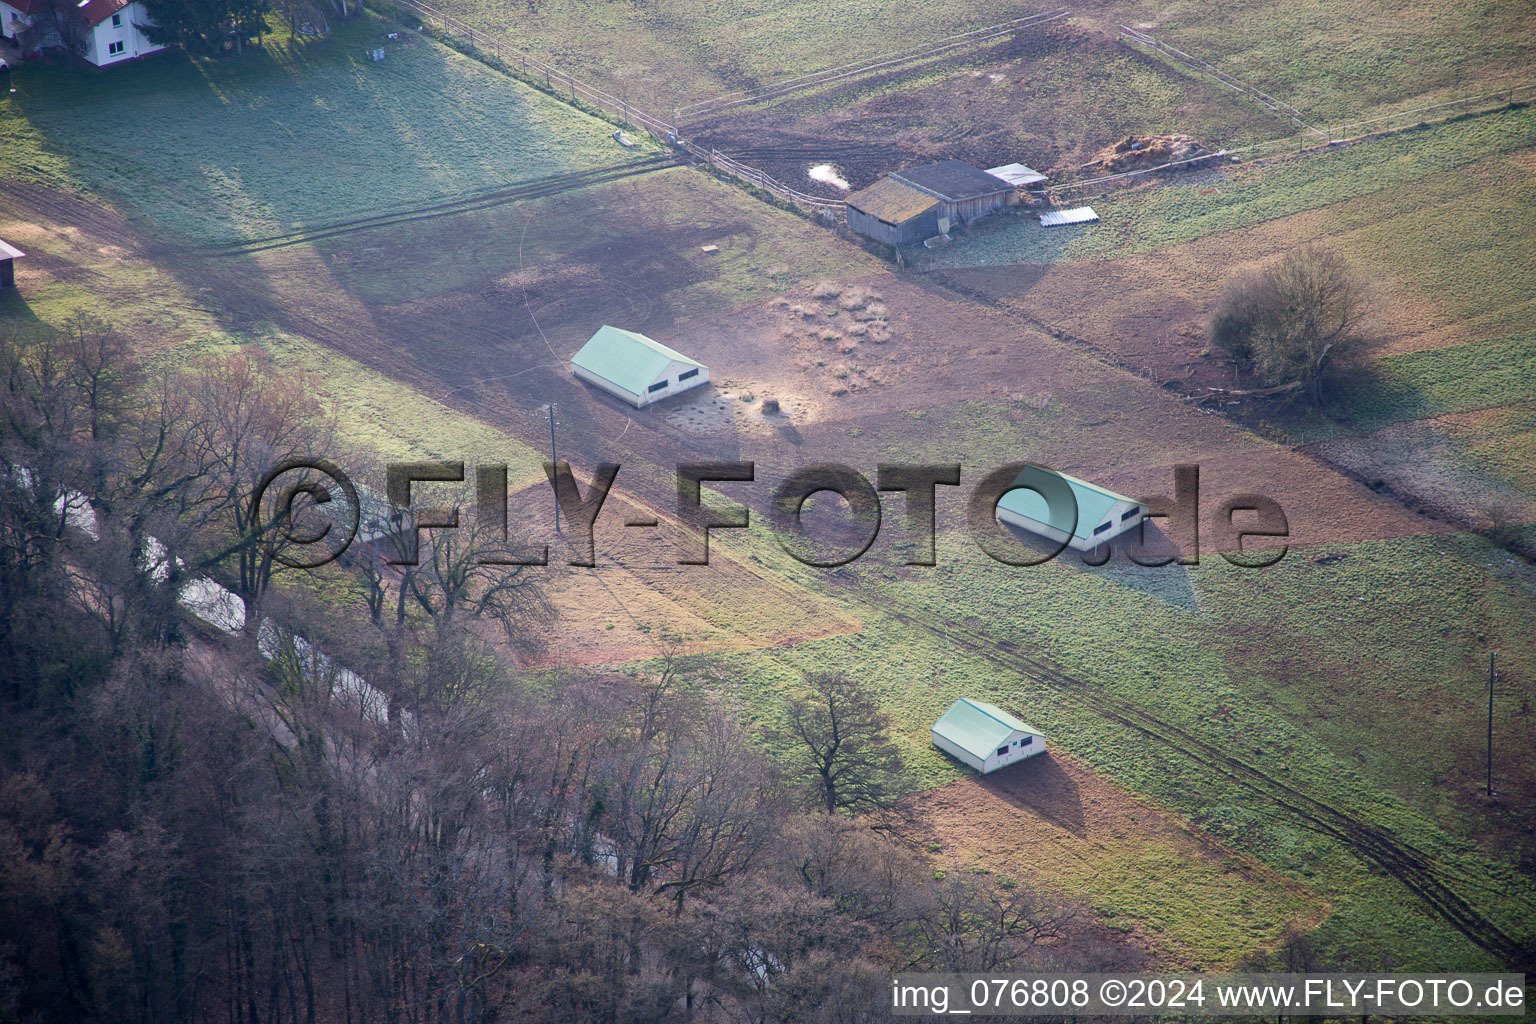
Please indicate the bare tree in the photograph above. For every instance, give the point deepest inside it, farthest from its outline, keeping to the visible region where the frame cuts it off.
(62, 24)
(843, 751)
(1293, 322)
(304, 17)
(986, 924)
(470, 572)
(249, 417)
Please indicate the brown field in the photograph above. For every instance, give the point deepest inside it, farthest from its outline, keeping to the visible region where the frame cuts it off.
(637, 602)
(1050, 97)
(1050, 820)
(474, 345)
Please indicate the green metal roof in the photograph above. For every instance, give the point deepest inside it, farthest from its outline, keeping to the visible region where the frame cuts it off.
(1093, 502)
(630, 360)
(978, 727)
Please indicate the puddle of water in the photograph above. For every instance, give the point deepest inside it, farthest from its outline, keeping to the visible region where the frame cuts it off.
(829, 174)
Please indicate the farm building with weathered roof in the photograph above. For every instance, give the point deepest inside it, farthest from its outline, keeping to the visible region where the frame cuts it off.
(9, 254)
(893, 212)
(964, 192)
(985, 737)
(636, 368)
(1100, 514)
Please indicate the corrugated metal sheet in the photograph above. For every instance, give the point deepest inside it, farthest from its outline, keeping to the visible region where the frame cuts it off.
(954, 180)
(1056, 218)
(892, 201)
(630, 360)
(1016, 175)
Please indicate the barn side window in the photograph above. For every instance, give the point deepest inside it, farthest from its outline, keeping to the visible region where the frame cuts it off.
(1128, 515)
(1001, 751)
(1101, 528)
(1026, 741)
(657, 386)
(686, 374)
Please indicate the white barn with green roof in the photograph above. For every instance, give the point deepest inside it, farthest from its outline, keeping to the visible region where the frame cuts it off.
(985, 737)
(636, 368)
(1102, 515)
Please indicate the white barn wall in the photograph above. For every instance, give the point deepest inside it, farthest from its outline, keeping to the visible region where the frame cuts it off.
(676, 387)
(993, 761)
(641, 401)
(1047, 530)
(958, 753)
(135, 43)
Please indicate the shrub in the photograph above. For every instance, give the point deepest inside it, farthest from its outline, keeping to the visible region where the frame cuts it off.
(1293, 323)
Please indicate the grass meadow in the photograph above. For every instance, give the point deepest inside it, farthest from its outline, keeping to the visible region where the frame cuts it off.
(295, 133)
(1332, 60)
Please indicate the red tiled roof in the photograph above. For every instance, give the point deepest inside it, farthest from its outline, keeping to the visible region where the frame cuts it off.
(98, 11)
(94, 11)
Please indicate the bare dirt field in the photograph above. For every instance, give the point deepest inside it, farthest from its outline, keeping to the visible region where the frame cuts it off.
(1042, 98)
(637, 602)
(1050, 819)
(849, 359)
(1426, 461)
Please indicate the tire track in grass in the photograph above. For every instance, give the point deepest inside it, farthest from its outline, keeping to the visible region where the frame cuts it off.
(1402, 860)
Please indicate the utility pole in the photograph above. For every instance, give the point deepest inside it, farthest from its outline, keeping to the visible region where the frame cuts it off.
(1491, 656)
(555, 461)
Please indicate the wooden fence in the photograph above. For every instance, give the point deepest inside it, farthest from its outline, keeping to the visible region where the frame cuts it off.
(1134, 37)
(709, 107)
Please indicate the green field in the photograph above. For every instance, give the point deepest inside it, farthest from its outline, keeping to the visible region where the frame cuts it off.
(294, 133)
(1425, 167)
(1287, 668)
(1340, 61)
(1459, 378)
(1332, 60)
(671, 52)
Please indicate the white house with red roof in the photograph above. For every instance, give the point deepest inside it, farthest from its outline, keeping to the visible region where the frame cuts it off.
(110, 28)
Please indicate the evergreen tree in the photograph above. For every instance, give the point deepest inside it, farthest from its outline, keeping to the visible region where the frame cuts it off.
(201, 26)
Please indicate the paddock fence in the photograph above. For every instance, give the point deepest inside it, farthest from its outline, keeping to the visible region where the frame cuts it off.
(617, 108)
